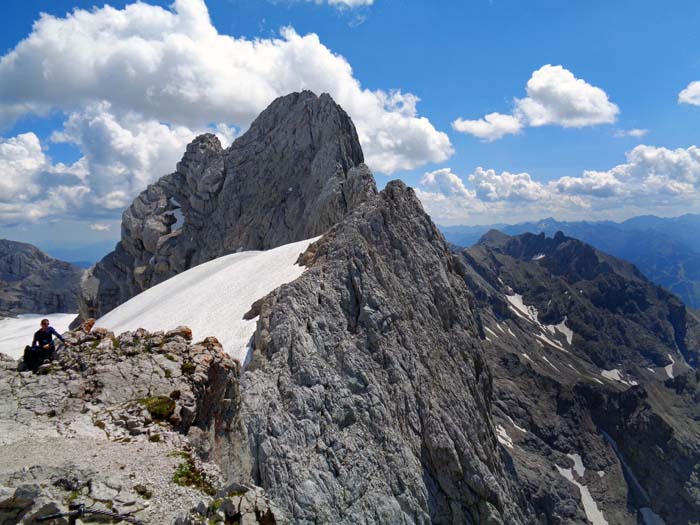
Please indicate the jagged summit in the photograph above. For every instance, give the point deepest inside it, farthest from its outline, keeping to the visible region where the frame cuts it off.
(562, 255)
(295, 173)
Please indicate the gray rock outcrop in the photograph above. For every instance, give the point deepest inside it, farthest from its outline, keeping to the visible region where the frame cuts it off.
(137, 424)
(33, 282)
(368, 399)
(296, 172)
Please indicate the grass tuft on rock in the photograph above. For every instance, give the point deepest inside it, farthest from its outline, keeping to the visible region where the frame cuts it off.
(187, 475)
(160, 407)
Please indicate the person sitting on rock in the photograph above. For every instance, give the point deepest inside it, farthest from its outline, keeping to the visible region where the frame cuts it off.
(42, 345)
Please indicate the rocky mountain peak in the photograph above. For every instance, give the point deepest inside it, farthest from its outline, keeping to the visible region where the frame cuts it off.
(292, 175)
(33, 282)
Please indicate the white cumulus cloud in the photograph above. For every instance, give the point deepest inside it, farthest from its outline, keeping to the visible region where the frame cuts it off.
(100, 227)
(122, 154)
(174, 66)
(555, 97)
(652, 180)
(691, 94)
(446, 183)
(492, 127)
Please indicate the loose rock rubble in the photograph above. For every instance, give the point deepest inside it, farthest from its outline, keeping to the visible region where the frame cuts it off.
(129, 423)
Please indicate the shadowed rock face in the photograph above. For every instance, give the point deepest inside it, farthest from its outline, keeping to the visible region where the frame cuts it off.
(367, 399)
(295, 173)
(582, 349)
(33, 282)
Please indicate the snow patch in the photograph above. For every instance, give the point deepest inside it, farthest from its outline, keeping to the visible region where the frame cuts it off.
(600, 473)
(17, 333)
(568, 333)
(212, 298)
(503, 437)
(578, 464)
(491, 332)
(538, 257)
(616, 375)
(529, 313)
(550, 364)
(595, 516)
(516, 425)
(527, 357)
(669, 368)
(551, 343)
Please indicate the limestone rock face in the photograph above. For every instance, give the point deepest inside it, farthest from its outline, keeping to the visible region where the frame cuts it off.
(296, 172)
(368, 398)
(33, 282)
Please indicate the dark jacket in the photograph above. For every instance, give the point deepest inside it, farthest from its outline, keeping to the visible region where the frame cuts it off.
(45, 337)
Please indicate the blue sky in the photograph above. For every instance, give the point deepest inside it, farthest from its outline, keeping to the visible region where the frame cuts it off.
(568, 80)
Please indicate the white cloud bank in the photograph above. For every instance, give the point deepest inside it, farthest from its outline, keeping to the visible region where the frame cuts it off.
(652, 180)
(174, 66)
(555, 97)
(137, 84)
(691, 94)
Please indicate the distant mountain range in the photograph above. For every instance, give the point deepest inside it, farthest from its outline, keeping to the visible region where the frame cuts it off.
(666, 250)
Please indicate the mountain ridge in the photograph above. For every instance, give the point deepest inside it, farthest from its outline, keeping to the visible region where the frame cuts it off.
(664, 249)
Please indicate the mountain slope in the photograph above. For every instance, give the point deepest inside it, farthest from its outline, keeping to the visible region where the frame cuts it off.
(667, 251)
(296, 171)
(212, 299)
(593, 382)
(368, 398)
(33, 282)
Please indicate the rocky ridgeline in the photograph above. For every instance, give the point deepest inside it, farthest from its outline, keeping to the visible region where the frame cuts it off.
(595, 378)
(368, 399)
(33, 282)
(295, 173)
(135, 424)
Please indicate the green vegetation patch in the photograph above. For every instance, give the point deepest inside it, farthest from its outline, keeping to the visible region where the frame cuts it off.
(160, 407)
(187, 475)
(188, 368)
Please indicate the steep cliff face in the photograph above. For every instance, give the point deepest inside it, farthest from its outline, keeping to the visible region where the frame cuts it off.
(596, 394)
(33, 282)
(368, 399)
(295, 173)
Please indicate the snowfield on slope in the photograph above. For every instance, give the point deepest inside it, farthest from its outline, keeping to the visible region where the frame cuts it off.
(17, 333)
(212, 298)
